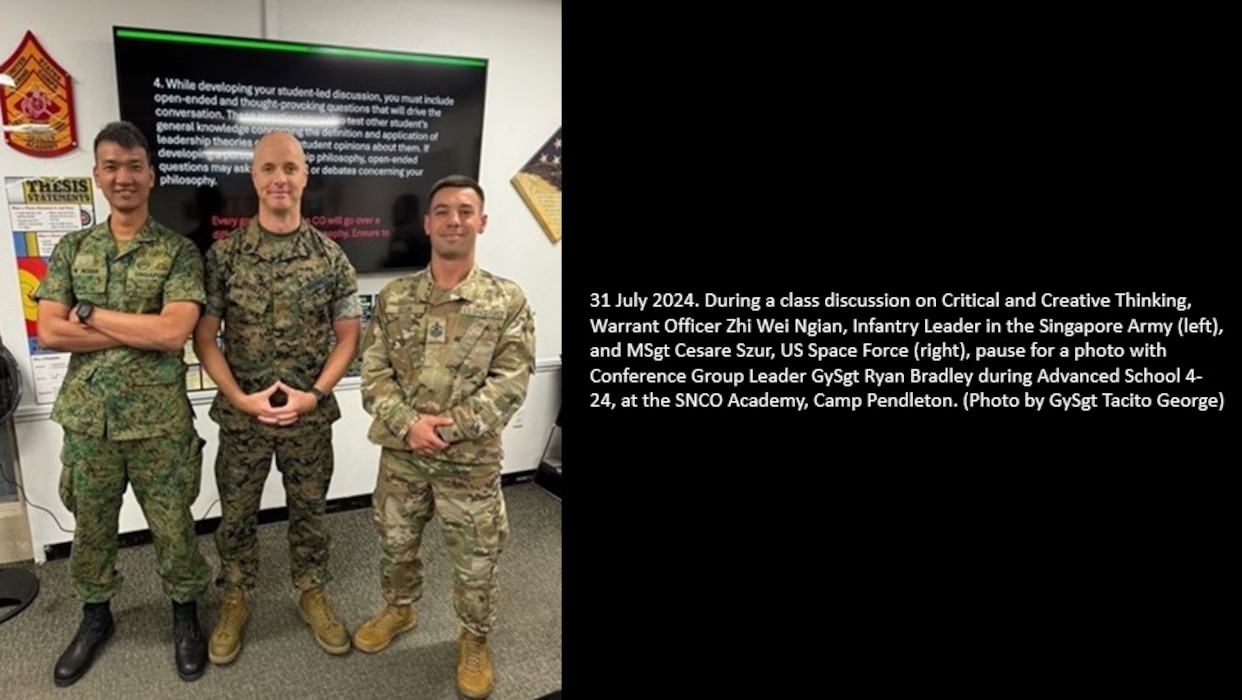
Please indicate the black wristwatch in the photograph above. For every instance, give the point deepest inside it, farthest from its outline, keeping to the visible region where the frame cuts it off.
(85, 309)
(314, 391)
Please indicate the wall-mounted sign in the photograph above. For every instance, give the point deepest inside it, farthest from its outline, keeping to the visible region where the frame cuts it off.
(41, 211)
(43, 97)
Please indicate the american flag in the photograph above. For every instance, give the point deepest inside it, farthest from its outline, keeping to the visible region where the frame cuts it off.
(546, 164)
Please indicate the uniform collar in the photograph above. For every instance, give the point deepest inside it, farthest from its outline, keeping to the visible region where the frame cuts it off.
(150, 231)
(299, 247)
(468, 289)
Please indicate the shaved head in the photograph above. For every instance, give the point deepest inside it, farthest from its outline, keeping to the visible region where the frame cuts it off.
(278, 141)
(279, 172)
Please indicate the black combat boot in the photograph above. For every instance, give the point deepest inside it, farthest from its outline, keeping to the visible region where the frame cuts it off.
(189, 641)
(96, 629)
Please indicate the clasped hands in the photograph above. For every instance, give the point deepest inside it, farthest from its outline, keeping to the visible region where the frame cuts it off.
(422, 437)
(259, 404)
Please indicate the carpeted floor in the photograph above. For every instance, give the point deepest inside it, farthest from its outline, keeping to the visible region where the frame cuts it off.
(280, 658)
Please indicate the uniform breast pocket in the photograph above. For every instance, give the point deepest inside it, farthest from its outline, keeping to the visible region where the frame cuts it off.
(315, 300)
(246, 304)
(405, 340)
(144, 289)
(475, 350)
(90, 285)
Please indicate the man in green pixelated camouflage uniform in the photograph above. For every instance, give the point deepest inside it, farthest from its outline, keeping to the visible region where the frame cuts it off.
(123, 297)
(282, 290)
(446, 363)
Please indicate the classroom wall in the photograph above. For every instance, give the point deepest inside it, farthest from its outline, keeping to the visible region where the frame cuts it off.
(522, 41)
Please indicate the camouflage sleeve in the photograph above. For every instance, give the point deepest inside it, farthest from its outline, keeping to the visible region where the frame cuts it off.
(345, 303)
(57, 284)
(508, 378)
(185, 279)
(214, 277)
(381, 395)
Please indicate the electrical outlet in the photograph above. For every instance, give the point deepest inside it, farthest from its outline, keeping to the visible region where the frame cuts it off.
(519, 419)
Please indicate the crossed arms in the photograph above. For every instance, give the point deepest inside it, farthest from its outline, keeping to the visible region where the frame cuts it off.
(167, 331)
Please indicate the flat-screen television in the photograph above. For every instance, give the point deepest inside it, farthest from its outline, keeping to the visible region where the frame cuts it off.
(378, 128)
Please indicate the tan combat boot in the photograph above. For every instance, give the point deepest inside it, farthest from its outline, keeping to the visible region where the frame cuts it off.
(378, 632)
(474, 668)
(329, 631)
(226, 638)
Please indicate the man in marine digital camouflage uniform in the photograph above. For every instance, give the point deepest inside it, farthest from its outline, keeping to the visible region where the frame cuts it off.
(446, 363)
(282, 289)
(123, 297)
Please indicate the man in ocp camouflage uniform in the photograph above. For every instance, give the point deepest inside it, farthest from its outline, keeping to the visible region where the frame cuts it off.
(446, 363)
(282, 290)
(123, 297)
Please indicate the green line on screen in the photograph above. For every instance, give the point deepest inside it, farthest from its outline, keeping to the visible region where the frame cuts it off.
(266, 45)
(387, 56)
(212, 41)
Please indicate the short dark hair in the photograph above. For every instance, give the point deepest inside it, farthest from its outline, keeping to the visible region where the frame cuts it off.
(456, 181)
(125, 135)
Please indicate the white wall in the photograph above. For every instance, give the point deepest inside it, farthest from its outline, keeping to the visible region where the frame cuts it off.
(522, 41)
